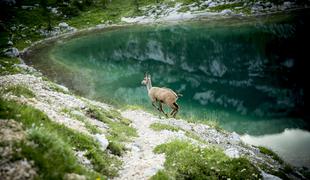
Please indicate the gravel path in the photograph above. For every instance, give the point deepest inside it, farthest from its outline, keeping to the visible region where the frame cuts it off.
(140, 162)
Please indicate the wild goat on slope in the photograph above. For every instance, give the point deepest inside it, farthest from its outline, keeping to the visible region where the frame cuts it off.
(161, 95)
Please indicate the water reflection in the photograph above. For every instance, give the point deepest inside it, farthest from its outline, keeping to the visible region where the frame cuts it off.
(248, 75)
(292, 145)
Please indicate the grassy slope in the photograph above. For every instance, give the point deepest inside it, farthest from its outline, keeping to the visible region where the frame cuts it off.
(57, 143)
(53, 153)
(187, 161)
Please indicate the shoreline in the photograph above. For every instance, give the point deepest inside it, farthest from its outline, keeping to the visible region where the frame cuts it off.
(102, 27)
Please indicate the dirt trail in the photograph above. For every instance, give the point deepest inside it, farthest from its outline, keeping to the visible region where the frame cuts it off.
(140, 162)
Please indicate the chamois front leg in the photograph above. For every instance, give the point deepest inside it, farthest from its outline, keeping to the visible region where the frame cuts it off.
(161, 109)
(153, 103)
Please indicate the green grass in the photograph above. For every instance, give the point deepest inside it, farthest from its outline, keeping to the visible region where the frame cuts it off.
(282, 172)
(194, 136)
(226, 6)
(270, 153)
(187, 161)
(92, 128)
(119, 130)
(7, 65)
(160, 127)
(53, 154)
(56, 88)
(19, 90)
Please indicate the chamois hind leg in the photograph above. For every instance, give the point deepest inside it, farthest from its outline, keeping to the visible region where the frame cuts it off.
(161, 109)
(175, 109)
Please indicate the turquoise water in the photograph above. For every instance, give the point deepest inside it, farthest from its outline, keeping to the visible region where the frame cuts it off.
(248, 74)
(244, 73)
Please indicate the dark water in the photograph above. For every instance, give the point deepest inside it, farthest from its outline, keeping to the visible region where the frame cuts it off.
(248, 74)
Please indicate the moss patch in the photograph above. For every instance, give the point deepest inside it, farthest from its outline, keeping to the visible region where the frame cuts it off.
(186, 161)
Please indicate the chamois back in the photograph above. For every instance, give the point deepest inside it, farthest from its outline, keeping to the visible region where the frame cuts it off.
(164, 95)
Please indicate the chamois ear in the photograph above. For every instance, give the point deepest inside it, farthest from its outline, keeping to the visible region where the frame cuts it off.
(149, 76)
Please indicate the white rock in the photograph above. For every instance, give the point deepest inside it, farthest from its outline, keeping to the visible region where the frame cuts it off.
(232, 153)
(75, 112)
(28, 69)
(13, 28)
(9, 2)
(234, 138)
(10, 43)
(226, 12)
(212, 4)
(63, 25)
(102, 140)
(73, 176)
(11, 52)
(27, 7)
(268, 4)
(287, 3)
(267, 176)
(54, 11)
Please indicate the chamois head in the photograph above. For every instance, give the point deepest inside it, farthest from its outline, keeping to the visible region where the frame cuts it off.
(146, 80)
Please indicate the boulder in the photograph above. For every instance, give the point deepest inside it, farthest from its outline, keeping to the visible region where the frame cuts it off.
(10, 43)
(234, 138)
(11, 52)
(213, 4)
(73, 176)
(267, 176)
(102, 140)
(63, 25)
(226, 12)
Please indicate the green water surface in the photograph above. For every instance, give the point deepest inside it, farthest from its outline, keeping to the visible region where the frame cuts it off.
(248, 74)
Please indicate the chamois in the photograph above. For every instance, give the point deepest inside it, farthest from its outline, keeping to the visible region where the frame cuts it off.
(161, 95)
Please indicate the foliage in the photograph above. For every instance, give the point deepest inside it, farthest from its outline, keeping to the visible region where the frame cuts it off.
(187, 161)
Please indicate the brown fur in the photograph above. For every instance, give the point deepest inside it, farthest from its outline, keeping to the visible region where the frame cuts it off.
(162, 95)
